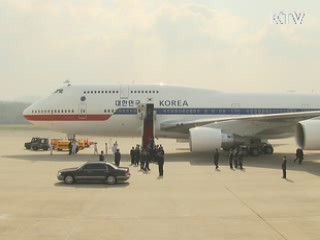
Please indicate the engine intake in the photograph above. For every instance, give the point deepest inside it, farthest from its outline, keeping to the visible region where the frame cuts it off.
(308, 134)
(205, 139)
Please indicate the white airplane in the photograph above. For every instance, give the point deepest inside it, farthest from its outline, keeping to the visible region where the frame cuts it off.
(206, 118)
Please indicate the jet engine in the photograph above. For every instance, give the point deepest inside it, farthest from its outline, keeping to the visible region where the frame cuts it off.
(308, 134)
(205, 139)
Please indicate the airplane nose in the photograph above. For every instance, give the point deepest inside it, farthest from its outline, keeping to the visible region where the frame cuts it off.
(26, 113)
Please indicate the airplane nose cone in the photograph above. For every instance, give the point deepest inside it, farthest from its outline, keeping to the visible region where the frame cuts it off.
(26, 113)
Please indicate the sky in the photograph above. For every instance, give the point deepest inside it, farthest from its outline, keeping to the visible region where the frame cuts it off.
(229, 45)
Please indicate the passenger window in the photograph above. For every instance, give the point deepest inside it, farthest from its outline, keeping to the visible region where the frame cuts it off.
(94, 166)
(88, 167)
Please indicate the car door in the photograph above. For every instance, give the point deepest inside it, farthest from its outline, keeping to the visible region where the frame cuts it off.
(99, 172)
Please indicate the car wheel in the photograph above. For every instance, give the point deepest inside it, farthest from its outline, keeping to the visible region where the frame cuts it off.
(111, 180)
(35, 148)
(69, 179)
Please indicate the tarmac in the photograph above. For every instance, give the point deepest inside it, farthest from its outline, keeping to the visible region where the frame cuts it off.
(191, 201)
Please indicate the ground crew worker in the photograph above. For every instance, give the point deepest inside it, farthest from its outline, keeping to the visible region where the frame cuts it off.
(95, 150)
(106, 148)
(114, 147)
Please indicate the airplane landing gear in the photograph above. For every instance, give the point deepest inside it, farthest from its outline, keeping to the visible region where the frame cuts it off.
(256, 149)
(268, 149)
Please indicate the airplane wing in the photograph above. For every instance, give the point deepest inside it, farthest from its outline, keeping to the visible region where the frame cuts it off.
(265, 125)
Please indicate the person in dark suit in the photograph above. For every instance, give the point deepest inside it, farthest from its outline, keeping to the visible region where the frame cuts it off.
(132, 156)
(299, 155)
(160, 159)
(101, 156)
(70, 147)
(284, 167)
(216, 158)
(231, 158)
(137, 155)
(117, 157)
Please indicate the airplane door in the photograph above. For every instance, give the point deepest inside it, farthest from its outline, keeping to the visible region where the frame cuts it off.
(124, 91)
(148, 126)
(82, 111)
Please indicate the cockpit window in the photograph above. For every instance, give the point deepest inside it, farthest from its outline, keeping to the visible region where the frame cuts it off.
(60, 90)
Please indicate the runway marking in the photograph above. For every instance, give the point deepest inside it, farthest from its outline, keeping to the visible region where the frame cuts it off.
(256, 213)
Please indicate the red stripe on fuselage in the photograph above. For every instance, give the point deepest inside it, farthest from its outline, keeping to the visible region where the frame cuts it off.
(45, 118)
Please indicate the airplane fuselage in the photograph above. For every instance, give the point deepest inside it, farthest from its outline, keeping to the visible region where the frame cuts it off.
(113, 110)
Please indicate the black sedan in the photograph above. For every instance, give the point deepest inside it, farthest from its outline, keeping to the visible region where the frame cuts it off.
(94, 172)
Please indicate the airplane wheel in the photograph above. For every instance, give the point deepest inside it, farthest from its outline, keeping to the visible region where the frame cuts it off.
(268, 150)
(254, 152)
(245, 152)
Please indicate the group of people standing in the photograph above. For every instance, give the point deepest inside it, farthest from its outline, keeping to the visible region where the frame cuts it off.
(145, 155)
(73, 147)
(235, 157)
(139, 156)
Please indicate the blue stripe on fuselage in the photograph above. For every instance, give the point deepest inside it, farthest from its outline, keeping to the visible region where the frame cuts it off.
(216, 111)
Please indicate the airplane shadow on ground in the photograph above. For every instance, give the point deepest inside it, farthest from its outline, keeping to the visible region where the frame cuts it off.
(310, 164)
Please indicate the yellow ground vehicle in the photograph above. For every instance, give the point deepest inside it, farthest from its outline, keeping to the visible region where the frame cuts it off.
(54, 142)
(86, 142)
(63, 144)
